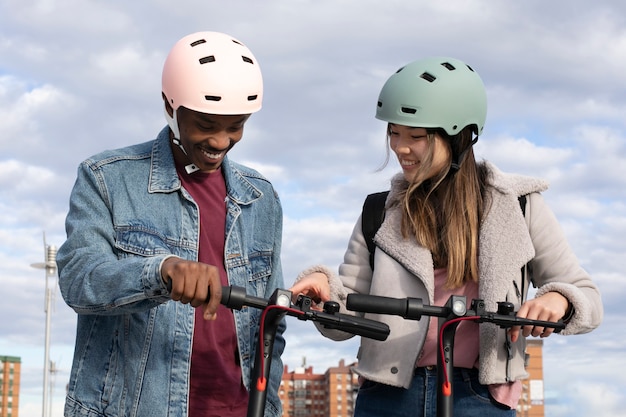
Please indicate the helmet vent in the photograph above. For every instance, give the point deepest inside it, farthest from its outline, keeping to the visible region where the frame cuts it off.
(428, 77)
(246, 59)
(198, 42)
(408, 110)
(207, 59)
(212, 98)
(252, 98)
(448, 66)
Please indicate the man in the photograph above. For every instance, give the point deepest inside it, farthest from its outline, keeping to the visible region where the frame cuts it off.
(175, 213)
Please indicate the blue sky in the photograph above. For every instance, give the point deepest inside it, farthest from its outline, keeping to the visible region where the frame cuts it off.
(79, 76)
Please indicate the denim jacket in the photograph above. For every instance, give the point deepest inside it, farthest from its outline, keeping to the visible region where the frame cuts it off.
(133, 343)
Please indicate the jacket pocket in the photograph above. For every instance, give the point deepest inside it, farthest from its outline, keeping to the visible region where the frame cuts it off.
(260, 265)
(110, 380)
(140, 240)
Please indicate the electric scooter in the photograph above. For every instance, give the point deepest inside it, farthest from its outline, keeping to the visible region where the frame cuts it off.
(274, 309)
(449, 317)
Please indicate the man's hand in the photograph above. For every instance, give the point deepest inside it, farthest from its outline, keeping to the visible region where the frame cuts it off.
(194, 283)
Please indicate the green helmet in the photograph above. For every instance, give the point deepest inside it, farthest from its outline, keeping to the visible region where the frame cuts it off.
(434, 93)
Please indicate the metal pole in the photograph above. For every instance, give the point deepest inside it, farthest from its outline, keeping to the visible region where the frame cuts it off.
(46, 364)
(50, 267)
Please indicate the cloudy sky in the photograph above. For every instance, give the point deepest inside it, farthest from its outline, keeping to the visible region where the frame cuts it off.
(79, 76)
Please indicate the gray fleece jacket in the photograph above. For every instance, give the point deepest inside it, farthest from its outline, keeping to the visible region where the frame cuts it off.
(508, 241)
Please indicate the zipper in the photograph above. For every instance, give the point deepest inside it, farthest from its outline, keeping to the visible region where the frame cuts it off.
(508, 345)
(509, 354)
(517, 291)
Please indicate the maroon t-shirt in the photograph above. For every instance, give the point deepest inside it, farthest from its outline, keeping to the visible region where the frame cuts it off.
(215, 387)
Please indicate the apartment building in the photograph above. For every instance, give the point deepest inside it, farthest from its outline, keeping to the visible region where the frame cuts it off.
(9, 386)
(306, 394)
(332, 394)
(531, 403)
(342, 385)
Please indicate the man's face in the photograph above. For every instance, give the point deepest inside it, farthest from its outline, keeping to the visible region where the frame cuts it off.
(207, 137)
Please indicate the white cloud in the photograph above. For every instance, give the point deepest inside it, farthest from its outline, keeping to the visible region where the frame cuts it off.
(77, 77)
(26, 110)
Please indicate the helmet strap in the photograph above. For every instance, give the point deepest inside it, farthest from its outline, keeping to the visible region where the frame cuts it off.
(173, 124)
(457, 160)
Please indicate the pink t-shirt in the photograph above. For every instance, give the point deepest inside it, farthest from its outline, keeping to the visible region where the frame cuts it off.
(466, 340)
(215, 388)
(466, 337)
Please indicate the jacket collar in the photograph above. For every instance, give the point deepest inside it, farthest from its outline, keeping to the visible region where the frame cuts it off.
(504, 245)
(164, 178)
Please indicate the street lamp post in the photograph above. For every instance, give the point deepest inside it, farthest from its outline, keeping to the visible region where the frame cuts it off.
(50, 266)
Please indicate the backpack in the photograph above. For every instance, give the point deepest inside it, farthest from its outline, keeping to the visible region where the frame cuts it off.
(374, 214)
(371, 219)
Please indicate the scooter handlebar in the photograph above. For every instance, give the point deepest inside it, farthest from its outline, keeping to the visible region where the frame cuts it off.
(236, 298)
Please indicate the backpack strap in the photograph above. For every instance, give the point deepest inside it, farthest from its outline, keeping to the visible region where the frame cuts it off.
(526, 267)
(522, 203)
(371, 219)
(374, 214)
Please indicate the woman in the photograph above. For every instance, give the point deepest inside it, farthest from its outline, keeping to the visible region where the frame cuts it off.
(453, 226)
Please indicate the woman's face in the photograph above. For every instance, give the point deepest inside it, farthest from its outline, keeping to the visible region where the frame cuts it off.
(414, 149)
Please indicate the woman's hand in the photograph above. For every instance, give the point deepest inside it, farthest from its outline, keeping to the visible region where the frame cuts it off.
(314, 286)
(551, 306)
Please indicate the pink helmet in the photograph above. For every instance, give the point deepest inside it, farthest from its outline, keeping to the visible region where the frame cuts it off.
(211, 72)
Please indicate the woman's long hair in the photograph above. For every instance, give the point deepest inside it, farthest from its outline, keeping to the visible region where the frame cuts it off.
(444, 212)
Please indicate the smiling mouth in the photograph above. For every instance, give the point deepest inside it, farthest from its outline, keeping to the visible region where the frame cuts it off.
(212, 155)
(406, 163)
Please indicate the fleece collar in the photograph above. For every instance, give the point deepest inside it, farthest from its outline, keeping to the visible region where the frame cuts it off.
(504, 246)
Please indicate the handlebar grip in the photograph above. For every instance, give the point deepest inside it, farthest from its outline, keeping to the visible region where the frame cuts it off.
(356, 325)
(375, 304)
(510, 321)
(226, 294)
(364, 327)
(235, 297)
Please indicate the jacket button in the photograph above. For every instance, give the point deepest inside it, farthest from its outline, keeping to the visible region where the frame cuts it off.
(394, 370)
